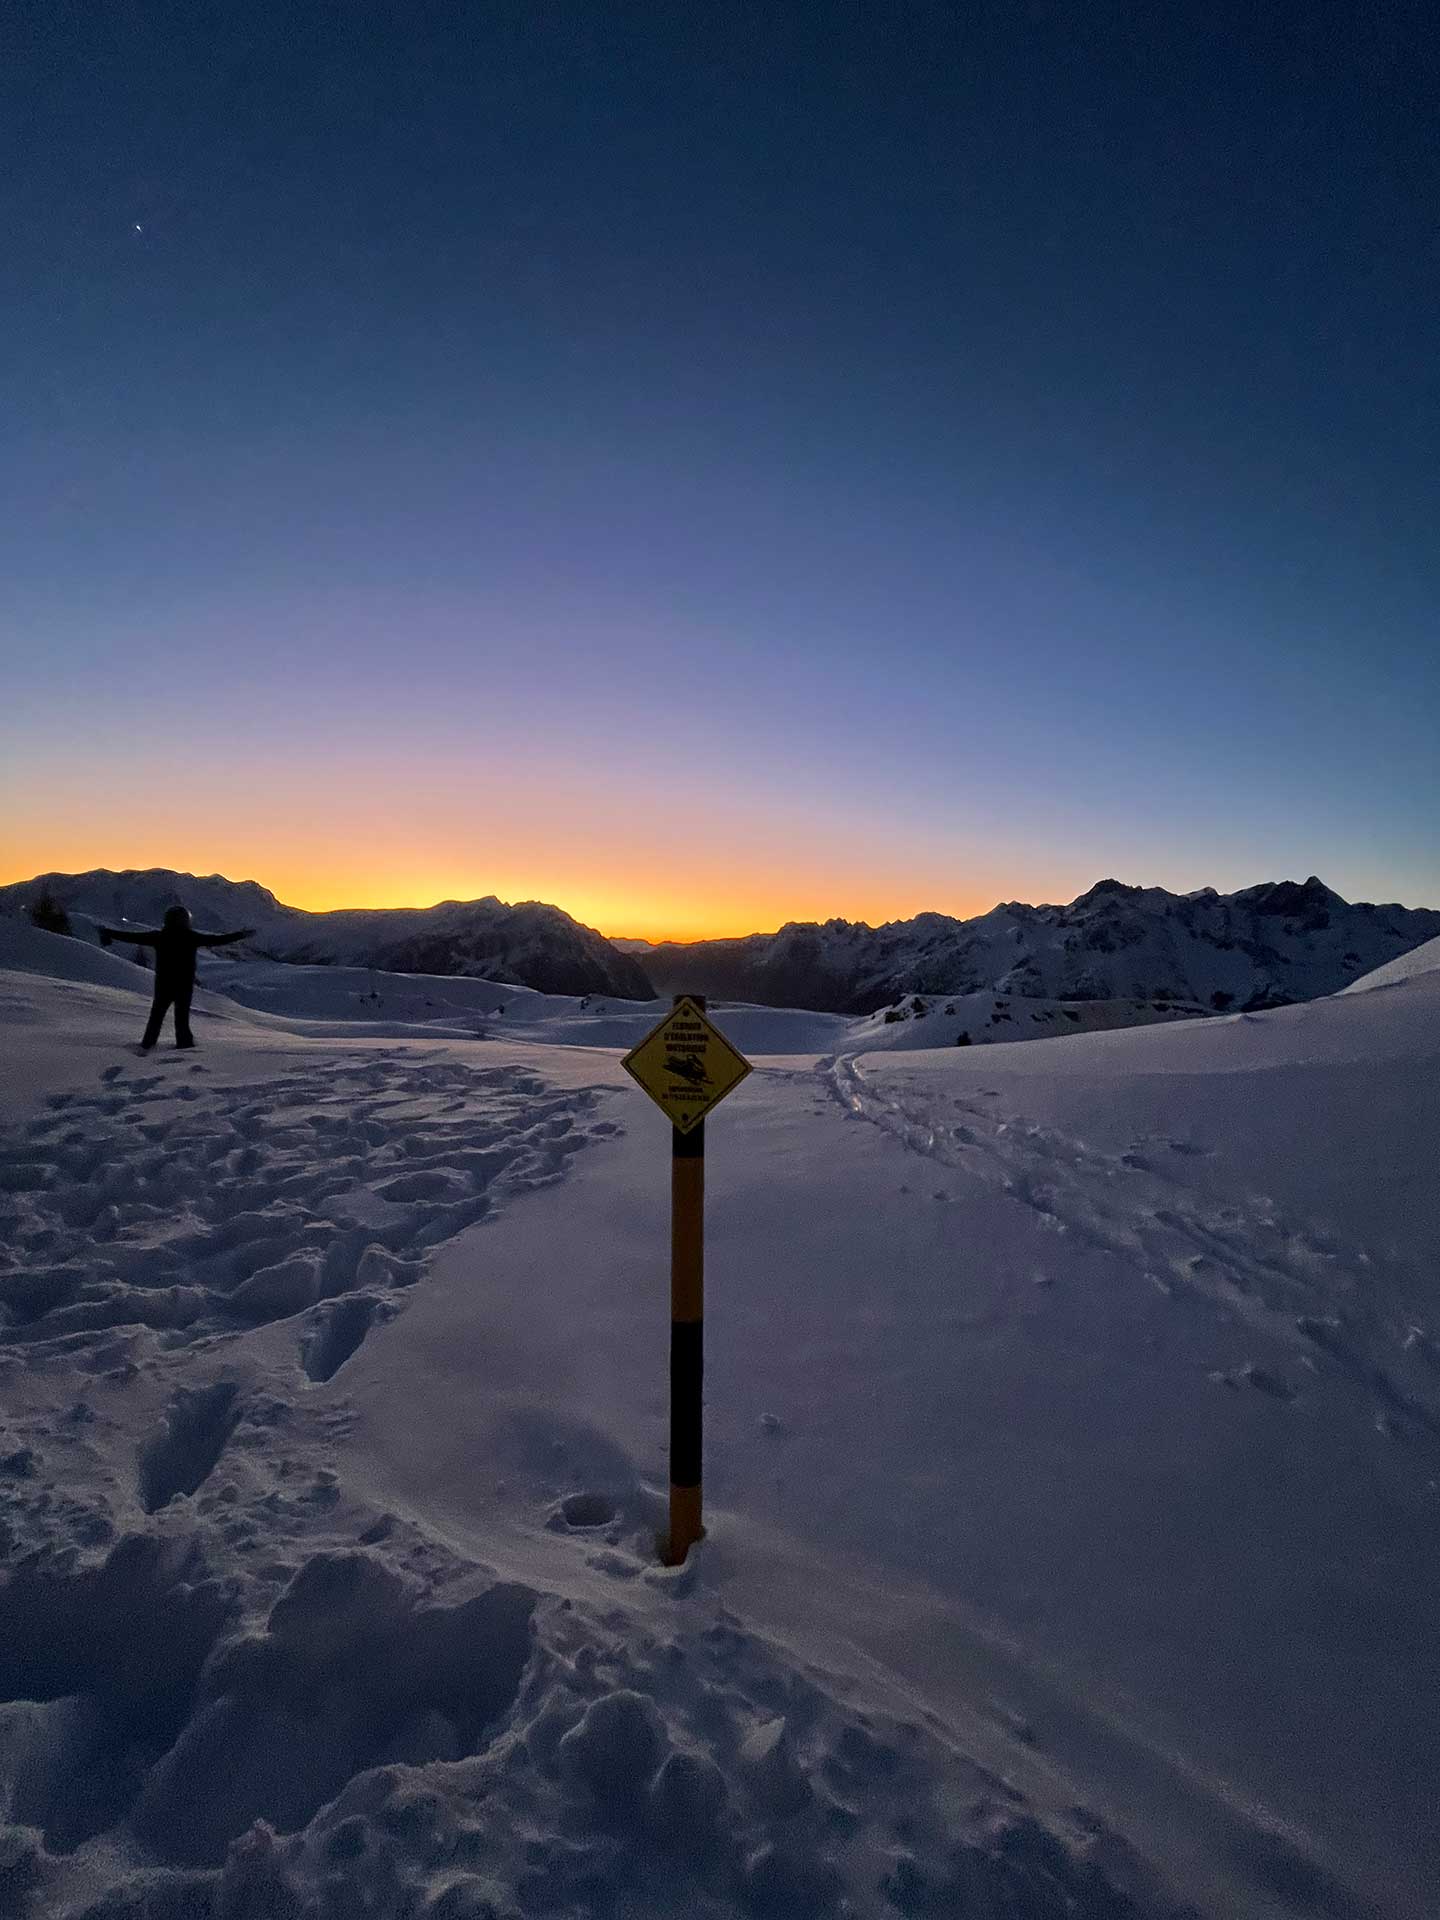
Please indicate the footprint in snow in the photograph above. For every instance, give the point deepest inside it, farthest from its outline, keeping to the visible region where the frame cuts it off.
(145, 1208)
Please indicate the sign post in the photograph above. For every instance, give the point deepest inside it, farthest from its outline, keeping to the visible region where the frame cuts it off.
(687, 1066)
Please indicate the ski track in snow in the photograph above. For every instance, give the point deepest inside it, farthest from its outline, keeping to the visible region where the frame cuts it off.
(1286, 1280)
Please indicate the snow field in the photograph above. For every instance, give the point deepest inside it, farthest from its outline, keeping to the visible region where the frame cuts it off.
(1073, 1452)
(467, 1751)
(163, 1200)
(237, 1685)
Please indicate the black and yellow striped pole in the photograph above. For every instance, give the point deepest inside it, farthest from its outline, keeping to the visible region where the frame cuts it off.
(687, 1066)
(687, 1338)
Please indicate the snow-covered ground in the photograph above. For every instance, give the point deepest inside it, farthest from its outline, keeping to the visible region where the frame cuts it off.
(1073, 1463)
(352, 1001)
(1422, 959)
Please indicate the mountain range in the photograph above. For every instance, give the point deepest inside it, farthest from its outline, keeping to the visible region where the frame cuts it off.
(1159, 952)
(528, 945)
(1264, 946)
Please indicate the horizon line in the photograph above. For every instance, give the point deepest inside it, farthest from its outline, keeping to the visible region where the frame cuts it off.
(603, 923)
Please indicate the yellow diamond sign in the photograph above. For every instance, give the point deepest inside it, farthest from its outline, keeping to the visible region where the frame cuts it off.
(686, 1065)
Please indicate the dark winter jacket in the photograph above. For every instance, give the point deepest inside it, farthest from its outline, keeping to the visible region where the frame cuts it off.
(175, 944)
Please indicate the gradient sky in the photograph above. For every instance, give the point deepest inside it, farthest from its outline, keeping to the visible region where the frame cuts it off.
(709, 465)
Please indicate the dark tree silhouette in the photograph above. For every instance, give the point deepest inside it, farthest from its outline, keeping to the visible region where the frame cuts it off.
(48, 914)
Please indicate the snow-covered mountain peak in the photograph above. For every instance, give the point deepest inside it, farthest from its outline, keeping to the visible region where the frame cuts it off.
(529, 944)
(1262, 946)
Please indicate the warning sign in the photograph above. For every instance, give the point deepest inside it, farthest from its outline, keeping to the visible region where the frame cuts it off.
(686, 1065)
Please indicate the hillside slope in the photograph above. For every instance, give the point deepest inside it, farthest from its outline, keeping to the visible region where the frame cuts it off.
(1409, 966)
(529, 944)
(1264, 946)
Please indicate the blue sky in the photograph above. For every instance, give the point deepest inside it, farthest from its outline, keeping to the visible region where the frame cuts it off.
(709, 465)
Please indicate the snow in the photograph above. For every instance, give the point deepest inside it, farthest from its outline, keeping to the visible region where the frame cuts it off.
(1073, 1462)
(454, 1006)
(1422, 959)
(348, 1001)
(529, 941)
(1128, 946)
(1116, 956)
(25, 949)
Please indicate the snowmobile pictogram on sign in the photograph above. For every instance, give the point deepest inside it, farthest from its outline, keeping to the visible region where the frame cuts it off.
(686, 1065)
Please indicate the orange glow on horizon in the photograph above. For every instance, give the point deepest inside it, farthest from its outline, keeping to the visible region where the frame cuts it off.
(608, 847)
(632, 902)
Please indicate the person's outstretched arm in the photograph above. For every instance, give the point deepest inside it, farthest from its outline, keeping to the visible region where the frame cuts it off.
(130, 936)
(223, 939)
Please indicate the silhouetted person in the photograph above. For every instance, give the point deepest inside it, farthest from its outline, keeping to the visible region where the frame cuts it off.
(176, 943)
